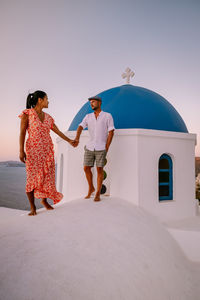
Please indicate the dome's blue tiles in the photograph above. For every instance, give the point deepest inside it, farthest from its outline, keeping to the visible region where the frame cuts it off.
(136, 107)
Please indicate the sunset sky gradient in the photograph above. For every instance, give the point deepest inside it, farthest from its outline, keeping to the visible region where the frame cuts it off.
(76, 49)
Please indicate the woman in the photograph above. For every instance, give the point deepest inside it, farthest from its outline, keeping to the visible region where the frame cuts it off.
(39, 155)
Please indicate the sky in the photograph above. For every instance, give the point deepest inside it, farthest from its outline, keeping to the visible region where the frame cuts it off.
(75, 49)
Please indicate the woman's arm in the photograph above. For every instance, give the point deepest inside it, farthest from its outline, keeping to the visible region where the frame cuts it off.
(60, 134)
(23, 127)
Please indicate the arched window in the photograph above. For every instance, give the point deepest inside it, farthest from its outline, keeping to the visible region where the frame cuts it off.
(165, 170)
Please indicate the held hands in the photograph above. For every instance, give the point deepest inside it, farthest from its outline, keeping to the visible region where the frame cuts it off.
(22, 156)
(74, 143)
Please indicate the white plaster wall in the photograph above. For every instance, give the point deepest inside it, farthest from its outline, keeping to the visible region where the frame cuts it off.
(123, 163)
(180, 147)
(132, 170)
(74, 181)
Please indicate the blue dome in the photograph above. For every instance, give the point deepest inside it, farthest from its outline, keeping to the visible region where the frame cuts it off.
(136, 107)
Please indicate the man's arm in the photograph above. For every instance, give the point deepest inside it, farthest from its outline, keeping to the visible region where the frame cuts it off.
(80, 128)
(78, 133)
(109, 139)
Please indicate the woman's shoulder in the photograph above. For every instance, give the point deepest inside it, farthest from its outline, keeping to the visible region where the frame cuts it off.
(25, 112)
(49, 120)
(48, 116)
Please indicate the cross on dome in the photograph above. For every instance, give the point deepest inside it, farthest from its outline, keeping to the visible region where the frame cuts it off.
(128, 74)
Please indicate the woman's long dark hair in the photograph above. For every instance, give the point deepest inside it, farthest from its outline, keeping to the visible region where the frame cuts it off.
(32, 99)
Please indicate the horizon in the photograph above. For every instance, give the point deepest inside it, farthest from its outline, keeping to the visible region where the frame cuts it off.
(18, 161)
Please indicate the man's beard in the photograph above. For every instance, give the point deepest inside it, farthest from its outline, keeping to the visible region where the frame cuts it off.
(95, 108)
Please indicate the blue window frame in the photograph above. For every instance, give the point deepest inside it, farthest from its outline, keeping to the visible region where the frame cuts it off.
(165, 171)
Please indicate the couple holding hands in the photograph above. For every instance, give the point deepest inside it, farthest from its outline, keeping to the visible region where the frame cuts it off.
(39, 153)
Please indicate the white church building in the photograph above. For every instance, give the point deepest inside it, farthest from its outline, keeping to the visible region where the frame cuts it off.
(116, 248)
(151, 161)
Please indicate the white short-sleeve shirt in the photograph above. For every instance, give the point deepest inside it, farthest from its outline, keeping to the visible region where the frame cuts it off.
(98, 129)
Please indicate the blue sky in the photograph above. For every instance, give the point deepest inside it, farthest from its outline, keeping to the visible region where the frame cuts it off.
(75, 49)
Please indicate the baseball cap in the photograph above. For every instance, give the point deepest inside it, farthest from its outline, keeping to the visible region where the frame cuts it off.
(95, 98)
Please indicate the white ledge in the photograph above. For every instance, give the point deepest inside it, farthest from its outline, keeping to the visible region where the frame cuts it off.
(141, 132)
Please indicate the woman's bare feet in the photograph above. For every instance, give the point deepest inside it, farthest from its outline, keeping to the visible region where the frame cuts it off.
(33, 211)
(90, 193)
(46, 204)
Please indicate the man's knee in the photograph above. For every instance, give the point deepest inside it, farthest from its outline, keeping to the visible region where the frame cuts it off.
(99, 170)
(87, 169)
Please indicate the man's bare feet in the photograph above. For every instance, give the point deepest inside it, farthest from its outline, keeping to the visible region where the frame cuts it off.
(46, 204)
(90, 193)
(97, 197)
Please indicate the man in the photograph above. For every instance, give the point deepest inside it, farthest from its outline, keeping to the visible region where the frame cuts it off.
(101, 130)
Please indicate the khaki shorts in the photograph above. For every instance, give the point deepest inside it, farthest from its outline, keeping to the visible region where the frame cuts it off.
(91, 156)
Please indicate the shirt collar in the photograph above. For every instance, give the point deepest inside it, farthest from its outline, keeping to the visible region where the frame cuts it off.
(98, 115)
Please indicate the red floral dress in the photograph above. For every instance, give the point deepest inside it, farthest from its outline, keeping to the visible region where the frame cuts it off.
(40, 164)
